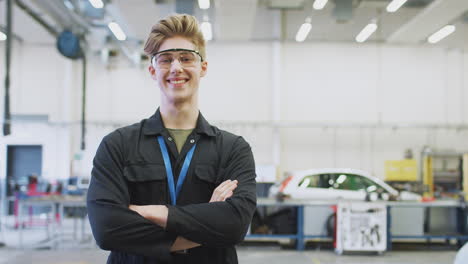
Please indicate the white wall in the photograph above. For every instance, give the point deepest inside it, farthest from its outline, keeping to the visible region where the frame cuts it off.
(42, 83)
(238, 84)
(321, 84)
(123, 93)
(366, 85)
(329, 82)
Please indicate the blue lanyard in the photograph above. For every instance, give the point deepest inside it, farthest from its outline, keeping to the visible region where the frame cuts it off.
(183, 172)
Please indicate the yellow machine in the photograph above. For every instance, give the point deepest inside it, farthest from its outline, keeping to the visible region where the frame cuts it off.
(437, 172)
(401, 170)
(428, 177)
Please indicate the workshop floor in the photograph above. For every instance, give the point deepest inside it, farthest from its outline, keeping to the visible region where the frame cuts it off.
(247, 255)
(77, 247)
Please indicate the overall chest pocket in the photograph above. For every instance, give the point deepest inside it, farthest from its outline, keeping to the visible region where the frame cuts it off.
(206, 181)
(147, 184)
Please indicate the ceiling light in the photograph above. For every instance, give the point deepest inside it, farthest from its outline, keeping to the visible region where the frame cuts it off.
(320, 4)
(96, 3)
(204, 4)
(3, 36)
(68, 4)
(441, 34)
(117, 31)
(395, 5)
(206, 30)
(366, 32)
(304, 31)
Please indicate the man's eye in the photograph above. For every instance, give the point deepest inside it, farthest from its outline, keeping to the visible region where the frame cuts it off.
(164, 60)
(185, 59)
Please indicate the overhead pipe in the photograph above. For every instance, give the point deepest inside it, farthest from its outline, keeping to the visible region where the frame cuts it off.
(10, 35)
(67, 19)
(36, 17)
(6, 113)
(15, 36)
(63, 16)
(83, 105)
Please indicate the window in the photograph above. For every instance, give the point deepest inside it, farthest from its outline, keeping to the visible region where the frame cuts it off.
(352, 182)
(312, 181)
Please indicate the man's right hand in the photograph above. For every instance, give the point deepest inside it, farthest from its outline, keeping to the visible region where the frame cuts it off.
(223, 191)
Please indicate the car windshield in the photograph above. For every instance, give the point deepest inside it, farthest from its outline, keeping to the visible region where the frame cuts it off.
(340, 181)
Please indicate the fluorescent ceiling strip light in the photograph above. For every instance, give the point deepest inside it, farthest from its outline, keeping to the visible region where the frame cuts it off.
(441, 34)
(366, 32)
(303, 31)
(204, 4)
(206, 30)
(96, 3)
(3, 36)
(395, 5)
(320, 4)
(117, 31)
(68, 5)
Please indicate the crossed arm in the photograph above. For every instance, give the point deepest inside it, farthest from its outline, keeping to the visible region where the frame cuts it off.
(158, 213)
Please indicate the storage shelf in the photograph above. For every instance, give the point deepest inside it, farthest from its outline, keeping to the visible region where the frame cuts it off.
(447, 174)
(445, 155)
(435, 236)
(445, 180)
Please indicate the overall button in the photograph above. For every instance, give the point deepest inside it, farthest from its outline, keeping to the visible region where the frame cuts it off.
(192, 141)
(169, 138)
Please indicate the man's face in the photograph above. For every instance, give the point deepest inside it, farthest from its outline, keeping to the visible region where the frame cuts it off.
(178, 81)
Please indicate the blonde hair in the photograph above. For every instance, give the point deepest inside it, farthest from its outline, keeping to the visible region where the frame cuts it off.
(182, 25)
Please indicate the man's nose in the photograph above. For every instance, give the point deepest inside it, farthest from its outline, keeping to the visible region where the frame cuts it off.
(176, 66)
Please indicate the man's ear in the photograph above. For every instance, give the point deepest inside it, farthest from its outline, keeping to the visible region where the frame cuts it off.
(204, 68)
(152, 72)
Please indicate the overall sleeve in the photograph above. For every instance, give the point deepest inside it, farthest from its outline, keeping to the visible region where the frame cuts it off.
(115, 227)
(221, 224)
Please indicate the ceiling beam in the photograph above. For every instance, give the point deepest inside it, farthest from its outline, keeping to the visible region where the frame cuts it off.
(436, 15)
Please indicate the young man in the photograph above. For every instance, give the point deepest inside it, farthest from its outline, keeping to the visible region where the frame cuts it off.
(173, 188)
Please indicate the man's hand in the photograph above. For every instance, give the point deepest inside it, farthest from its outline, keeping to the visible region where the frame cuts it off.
(155, 213)
(223, 191)
(182, 243)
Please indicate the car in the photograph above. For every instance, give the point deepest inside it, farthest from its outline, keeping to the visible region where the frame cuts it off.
(336, 184)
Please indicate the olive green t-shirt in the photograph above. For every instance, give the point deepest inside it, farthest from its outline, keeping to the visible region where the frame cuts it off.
(179, 136)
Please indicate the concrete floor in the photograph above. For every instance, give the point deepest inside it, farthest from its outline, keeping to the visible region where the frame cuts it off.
(77, 247)
(247, 255)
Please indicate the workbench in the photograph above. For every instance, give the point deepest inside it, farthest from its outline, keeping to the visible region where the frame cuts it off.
(54, 222)
(300, 237)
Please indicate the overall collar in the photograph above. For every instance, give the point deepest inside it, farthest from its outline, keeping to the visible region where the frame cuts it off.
(155, 126)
